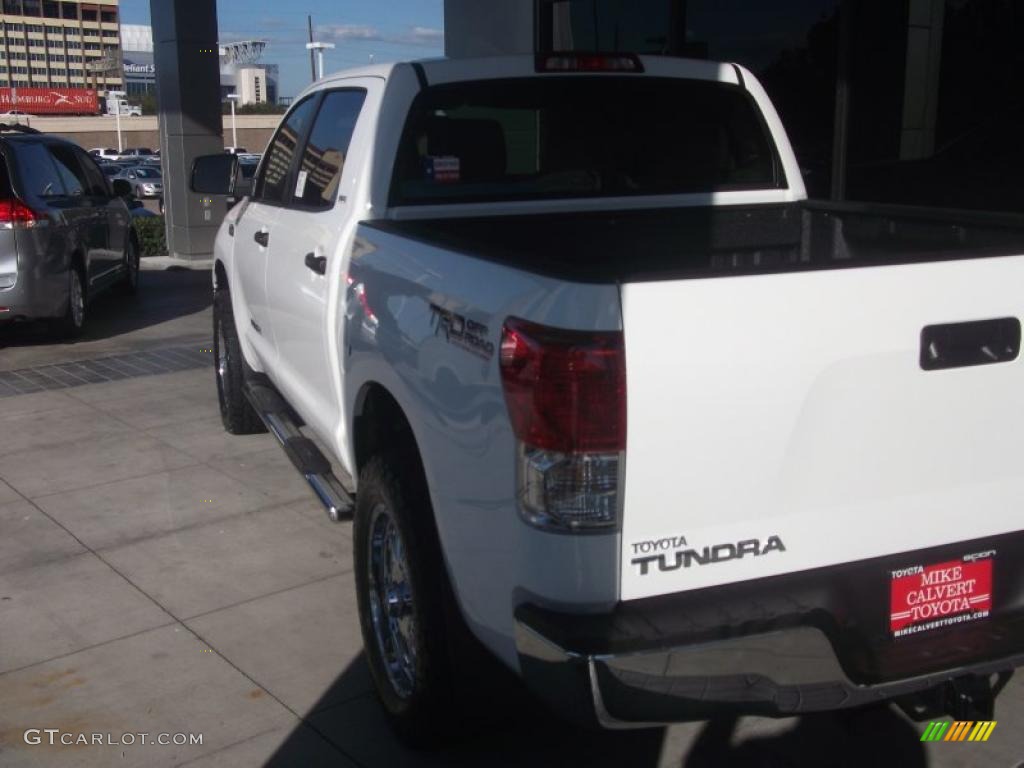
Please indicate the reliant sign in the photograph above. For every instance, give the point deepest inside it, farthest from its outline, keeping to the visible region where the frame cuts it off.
(49, 101)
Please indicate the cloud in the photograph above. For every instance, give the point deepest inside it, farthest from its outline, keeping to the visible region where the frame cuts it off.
(426, 35)
(349, 32)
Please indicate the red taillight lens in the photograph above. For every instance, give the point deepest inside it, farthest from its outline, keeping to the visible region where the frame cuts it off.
(13, 212)
(566, 390)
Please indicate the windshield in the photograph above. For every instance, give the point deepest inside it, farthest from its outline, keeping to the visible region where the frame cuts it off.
(147, 173)
(564, 137)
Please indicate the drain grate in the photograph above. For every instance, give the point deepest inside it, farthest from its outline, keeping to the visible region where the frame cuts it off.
(131, 365)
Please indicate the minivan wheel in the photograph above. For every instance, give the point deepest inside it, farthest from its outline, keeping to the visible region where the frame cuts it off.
(400, 592)
(71, 324)
(236, 412)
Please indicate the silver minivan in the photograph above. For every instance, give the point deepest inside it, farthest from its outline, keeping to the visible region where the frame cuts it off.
(65, 236)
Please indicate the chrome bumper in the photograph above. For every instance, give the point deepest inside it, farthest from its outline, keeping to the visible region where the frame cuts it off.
(775, 674)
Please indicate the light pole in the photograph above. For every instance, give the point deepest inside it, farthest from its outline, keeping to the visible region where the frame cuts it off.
(233, 97)
(117, 116)
(319, 48)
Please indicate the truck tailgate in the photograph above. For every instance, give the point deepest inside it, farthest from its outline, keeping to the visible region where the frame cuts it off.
(782, 422)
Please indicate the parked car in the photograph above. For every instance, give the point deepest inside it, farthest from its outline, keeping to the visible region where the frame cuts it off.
(137, 153)
(145, 181)
(620, 403)
(236, 150)
(14, 115)
(65, 237)
(105, 153)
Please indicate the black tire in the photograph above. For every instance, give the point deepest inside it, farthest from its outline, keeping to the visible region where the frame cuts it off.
(70, 325)
(130, 285)
(236, 412)
(426, 713)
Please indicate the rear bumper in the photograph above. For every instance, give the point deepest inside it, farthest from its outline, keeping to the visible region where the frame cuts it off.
(34, 296)
(775, 647)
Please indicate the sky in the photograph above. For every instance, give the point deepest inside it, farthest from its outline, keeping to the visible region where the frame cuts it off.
(389, 30)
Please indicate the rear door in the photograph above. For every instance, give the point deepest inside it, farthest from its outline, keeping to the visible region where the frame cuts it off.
(302, 276)
(256, 226)
(784, 422)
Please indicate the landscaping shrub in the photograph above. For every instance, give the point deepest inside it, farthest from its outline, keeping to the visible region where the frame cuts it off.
(152, 236)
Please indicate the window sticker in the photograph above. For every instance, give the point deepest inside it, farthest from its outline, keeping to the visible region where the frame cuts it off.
(300, 183)
(442, 169)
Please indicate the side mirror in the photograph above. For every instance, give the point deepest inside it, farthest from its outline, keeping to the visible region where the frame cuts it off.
(122, 188)
(214, 174)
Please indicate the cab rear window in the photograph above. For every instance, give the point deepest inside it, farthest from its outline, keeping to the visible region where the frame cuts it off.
(560, 137)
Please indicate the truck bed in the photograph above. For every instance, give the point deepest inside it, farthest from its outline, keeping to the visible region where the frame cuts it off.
(679, 243)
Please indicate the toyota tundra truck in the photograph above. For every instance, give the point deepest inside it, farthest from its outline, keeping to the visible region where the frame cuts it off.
(604, 392)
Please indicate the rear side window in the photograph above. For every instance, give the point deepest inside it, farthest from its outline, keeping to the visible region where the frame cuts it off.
(96, 183)
(70, 173)
(273, 178)
(38, 172)
(323, 160)
(559, 137)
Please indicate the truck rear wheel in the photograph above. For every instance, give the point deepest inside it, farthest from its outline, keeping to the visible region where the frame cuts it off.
(400, 584)
(237, 414)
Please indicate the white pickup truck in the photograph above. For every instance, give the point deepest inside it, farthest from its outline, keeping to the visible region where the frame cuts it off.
(667, 438)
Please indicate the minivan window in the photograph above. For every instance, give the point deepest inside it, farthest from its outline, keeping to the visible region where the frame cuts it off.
(323, 158)
(270, 184)
(70, 170)
(38, 172)
(96, 183)
(581, 136)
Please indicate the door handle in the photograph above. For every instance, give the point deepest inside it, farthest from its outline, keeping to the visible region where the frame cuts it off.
(263, 238)
(959, 345)
(317, 263)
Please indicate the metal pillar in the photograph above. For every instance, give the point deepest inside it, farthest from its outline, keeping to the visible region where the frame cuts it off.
(187, 63)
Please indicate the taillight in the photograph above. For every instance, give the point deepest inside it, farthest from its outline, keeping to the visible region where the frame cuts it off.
(14, 214)
(566, 397)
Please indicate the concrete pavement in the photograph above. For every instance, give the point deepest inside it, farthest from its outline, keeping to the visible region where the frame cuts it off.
(159, 576)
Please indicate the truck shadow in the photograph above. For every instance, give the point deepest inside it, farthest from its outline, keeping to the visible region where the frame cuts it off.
(513, 729)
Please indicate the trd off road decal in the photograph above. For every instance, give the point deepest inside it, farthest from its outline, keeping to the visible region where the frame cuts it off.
(672, 553)
(924, 597)
(462, 332)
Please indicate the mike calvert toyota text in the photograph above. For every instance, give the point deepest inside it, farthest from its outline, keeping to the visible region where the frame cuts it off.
(614, 406)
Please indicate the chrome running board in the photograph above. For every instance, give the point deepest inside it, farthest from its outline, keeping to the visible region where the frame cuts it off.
(309, 460)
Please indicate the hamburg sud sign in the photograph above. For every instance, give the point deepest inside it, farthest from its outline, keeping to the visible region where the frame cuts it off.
(924, 597)
(50, 101)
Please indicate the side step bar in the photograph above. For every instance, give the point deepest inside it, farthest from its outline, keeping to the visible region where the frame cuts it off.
(283, 424)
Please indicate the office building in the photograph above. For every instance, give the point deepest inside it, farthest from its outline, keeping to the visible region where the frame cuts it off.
(70, 46)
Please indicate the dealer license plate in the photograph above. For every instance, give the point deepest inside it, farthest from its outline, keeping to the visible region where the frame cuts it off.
(926, 597)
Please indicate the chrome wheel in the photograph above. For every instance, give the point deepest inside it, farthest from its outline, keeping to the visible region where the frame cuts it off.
(391, 602)
(76, 299)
